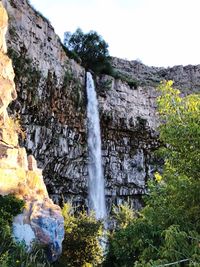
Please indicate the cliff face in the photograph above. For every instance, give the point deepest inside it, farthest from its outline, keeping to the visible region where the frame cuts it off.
(41, 220)
(186, 78)
(51, 103)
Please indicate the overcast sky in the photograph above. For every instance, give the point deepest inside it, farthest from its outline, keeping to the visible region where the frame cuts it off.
(157, 32)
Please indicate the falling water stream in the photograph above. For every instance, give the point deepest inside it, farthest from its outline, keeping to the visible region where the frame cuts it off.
(96, 179)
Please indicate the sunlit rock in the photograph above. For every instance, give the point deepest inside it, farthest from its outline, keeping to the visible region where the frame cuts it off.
(41, 220)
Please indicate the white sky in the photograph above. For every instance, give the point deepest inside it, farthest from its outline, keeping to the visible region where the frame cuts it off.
(158, 32)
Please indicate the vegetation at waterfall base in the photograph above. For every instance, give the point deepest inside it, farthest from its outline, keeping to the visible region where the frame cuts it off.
(166, 232)
(81, 245)
(13, 254)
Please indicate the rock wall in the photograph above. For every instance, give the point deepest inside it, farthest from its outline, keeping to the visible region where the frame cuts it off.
(41, 220)
(186, 78)
(51, 103)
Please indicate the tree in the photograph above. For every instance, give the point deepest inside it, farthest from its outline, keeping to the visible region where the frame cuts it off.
(167, 230)
(91, 48)
(81, 245)
(180, 129)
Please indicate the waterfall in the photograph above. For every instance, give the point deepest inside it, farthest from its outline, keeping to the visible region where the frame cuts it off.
(96, 179)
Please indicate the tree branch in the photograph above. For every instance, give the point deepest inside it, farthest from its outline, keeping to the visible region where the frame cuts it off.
(172, 263)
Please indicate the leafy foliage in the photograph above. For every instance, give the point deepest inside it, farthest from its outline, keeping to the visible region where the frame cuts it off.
(167, 231)
(81, 245)
(180, 129)
(123, 215)
(10, 207)
(90, 48)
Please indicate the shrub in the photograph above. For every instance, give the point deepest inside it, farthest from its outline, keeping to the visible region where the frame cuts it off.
(125, 78)
(81, 245)
(10, 206)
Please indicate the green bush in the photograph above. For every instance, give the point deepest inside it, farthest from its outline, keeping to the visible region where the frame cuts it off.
(71, 54)
(125, 78)
(10, 206)
(81, 245)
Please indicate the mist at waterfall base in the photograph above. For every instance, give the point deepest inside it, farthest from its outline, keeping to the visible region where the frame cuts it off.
(96, 179)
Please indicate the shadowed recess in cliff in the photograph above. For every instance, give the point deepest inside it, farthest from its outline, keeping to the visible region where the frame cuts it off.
(96, 180)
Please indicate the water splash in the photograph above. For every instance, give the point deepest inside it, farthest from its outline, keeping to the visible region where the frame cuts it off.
(96, 180)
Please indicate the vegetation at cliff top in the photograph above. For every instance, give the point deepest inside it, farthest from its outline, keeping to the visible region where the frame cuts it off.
(91, 51)
(90, 48)
(166, 232)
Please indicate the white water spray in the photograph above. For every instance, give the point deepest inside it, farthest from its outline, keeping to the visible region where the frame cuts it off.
(96, 180)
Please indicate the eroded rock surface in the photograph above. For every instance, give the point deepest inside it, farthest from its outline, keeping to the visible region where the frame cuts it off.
(186, 78)
(51, 103)
(41, 220)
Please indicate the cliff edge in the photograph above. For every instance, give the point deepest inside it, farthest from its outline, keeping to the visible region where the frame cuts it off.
(41, 220)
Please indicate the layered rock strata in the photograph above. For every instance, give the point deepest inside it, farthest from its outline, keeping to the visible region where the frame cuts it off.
(51, 103)
(41, 220)
(186, 78)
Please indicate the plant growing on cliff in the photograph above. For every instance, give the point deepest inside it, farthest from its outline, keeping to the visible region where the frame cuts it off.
(91, 49)
(27, 74)
(167, 231)
(10, 206)
(81, 243)
(14, 124)
(133, 84)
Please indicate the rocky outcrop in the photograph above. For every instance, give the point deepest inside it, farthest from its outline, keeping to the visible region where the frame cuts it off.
(41, 220)
(51, 104)
(186, 78)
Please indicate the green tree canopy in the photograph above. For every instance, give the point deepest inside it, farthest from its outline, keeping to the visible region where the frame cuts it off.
(167, 230)
(91, 48)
